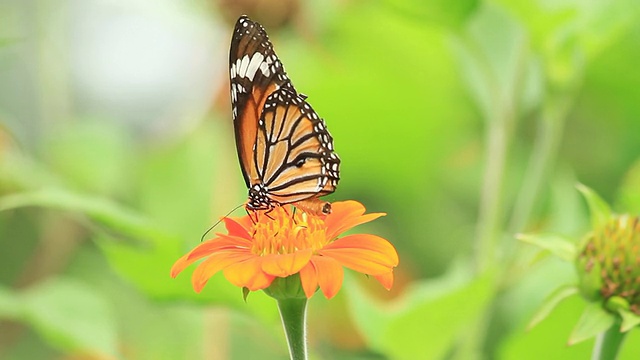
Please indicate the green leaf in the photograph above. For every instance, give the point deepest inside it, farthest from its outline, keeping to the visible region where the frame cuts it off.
(561, 246)
(629, 320)
(599, 209)
(10, 305)
(436, 310)
(71, 316)
(629, 197)
(593, 321)
(493, 55)
(604, 22)
(548, 339)
(92, 155)
(102, 211)
(551, 302)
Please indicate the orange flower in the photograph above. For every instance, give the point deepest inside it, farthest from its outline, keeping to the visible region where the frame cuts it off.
(281, 244)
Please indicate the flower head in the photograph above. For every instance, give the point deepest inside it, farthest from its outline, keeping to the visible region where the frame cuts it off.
(608, 263)
(282, 243)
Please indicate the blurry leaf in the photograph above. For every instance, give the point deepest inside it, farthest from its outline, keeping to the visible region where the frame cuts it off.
(567, 212)
(630, 190)
(92, 155)
(71, 316)
(605, 21)
(405, 336)
(593, 321)
(10, 305)
(436, 311)
(599, 209)
(19, 173)
(493, 54)
(548, 339)
(104, 212)
(551, 303)
(439, 12)
(593, 24)
(558, 245)
(629, 320)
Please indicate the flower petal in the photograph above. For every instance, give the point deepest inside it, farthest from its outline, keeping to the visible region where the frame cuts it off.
(309, 279)
(341, 210)
(180, 265)
(238, 226)
(248, 274)
(346, 215)
(329, 274)
(367, 242)
(385, 279)
(216, 262)
(222, 242)
(283, 265)
(205, 249)
(368, 254)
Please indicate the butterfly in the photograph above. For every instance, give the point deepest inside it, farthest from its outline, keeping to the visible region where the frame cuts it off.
(285, 150)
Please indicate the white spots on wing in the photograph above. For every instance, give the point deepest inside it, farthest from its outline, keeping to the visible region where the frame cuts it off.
(235, 89)
(264, 68)
(244, 64)
(248, 66)
(254, 65)
(233, 71)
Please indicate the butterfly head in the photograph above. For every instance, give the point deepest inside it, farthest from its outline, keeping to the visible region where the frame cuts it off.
(258, 198)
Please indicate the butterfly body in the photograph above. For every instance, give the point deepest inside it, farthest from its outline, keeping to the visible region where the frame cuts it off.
(285, 150)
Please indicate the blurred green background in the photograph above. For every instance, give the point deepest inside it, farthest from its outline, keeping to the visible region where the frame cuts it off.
(466, 121)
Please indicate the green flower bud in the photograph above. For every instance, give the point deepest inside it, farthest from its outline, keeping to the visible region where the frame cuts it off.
(609, 263)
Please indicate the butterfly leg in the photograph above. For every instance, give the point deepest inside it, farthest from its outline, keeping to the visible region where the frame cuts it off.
(269, 211)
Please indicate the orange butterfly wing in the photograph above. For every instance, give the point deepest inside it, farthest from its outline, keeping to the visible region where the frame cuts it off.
(285, 151)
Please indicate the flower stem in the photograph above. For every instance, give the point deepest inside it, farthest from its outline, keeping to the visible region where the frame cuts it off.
(608, 344)
(293, 313)
(491, 208)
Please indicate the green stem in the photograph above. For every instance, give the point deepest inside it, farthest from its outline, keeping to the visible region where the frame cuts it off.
(293, 313)
(490, 212)
(608, 344)
(544, 152)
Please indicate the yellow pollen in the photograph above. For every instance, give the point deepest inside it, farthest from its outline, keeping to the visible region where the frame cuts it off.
(280, 231)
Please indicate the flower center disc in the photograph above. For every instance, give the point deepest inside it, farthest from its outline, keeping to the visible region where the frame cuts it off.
(281, 231)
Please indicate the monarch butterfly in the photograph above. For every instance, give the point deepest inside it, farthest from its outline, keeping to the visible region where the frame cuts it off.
(284, 148)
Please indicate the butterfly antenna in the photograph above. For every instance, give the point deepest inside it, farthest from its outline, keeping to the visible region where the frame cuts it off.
(218, 222)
